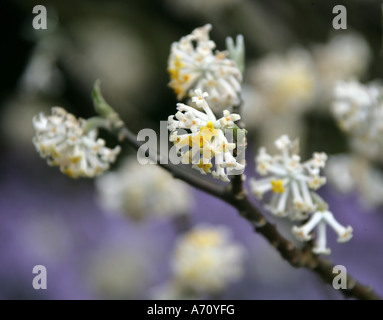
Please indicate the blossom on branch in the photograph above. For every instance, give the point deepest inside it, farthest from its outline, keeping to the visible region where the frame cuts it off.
(204, 138)
(288, 179)
(64, 141)
(358, 109)
(194, 65)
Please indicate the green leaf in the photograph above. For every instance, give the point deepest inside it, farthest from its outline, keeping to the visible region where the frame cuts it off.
(100, 104)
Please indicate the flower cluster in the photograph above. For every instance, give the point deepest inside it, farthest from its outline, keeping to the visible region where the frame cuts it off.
(358, 109)
(206, 137)
(64, 141)
(289, 180)
(142, 191)
(193, 65)
(284, 83)
(206, 259)
(344, 57)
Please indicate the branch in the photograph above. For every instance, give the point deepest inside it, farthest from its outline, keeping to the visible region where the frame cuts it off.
(297, 258)
(176, 171)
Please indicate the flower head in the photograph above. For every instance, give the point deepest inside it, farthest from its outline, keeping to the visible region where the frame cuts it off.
(193, 65)
(143, 191)
(284, 83)
(358, 109)
(344, 57)
(320, 219)
(203, 138)
(206, 259)
(64, 142)
(288, 179)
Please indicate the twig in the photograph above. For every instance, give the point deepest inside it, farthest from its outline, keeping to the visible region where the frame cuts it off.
(297, 258)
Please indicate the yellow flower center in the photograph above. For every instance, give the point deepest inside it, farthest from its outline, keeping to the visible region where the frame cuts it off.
(204, 238)
(277, 186)
(205, 166)
(208, 132)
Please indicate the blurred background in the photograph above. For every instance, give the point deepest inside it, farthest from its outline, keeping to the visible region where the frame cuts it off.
(96, 250)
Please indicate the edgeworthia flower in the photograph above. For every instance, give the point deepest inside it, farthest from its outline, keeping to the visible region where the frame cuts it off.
(283, 83)
(143, 191)
(193, 64)
(63, 140)
(203, 138)
(207, 259)
(358, 110)
(288, 179)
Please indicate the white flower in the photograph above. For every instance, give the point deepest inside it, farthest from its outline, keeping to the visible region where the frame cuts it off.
(207, 260)
(344, 57)
(207, 138)
(143, 191)
(281, 87)
(319, 219)
(288, 179)
(284, 83)
(193, 65)
(63, 141)
(358, 109)
(117, 271)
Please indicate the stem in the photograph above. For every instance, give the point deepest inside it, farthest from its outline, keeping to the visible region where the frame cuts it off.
(97, 122)
(100, 105)
(303, 258)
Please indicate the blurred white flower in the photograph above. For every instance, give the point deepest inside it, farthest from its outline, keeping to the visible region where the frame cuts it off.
(283, 83)
(358, 110)
(207, 137)
(281, 87)
(206, 260)
(319, 220)
(344, 57)
(117, 273)
(142, 191)
(289, 180)
(62, 139)
(193, 65)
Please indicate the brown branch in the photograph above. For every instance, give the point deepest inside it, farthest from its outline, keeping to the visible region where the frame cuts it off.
(176, 171)
(297, 258)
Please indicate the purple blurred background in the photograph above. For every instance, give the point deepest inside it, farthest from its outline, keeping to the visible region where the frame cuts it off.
(48, 219)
